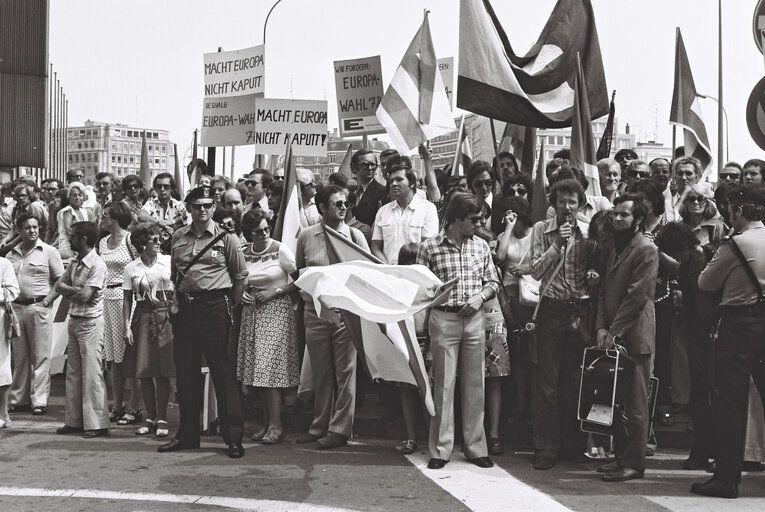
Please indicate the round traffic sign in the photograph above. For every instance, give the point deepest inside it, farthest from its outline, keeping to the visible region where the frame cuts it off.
(758, 24)
(755, 113)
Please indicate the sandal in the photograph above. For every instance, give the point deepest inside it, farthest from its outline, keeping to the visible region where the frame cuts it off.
(146, 429)
(260, 434)
(408, 447)
(274, 436)
(116, 414)
(162, 431)
(130, 417)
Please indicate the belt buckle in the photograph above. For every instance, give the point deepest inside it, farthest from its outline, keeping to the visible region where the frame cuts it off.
(188, 298)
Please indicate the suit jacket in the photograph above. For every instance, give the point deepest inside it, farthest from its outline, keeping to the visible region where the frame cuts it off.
(368, 204)
(498, 211)
(627, 290)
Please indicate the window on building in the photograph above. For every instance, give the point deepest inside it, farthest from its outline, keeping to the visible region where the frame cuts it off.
(550, 139)
(156, 160)
(113, 159)
(561, 140)
(119, 159)
(155, 135)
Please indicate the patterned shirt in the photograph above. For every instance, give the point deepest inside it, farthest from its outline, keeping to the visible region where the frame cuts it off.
(175, 210)
(570, 282)
(471, 263)
(88, 271)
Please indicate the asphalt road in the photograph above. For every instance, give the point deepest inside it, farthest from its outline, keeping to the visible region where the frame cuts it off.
(123, 472)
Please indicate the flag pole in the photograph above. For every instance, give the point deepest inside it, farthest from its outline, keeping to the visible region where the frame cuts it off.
(494, 137)
(720, 161)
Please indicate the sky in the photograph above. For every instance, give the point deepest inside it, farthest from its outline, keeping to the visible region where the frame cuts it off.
(140, 62)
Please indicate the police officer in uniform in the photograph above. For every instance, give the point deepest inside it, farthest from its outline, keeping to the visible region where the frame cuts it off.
(738, 271)
(206, 293)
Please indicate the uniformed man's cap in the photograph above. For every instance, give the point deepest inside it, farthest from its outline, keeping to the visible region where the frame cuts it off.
(198, 193)
(751, 193)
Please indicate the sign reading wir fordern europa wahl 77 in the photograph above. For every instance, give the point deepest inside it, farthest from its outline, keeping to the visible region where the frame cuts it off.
(234, 73)
(359, 87)
(301, 122)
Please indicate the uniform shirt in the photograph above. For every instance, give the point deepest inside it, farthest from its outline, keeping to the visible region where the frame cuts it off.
(218, 267)
(726, 272)
(471, 263)
(36, 271)
(174, 210)
(88, 271)
(396, 226)
(570, 282)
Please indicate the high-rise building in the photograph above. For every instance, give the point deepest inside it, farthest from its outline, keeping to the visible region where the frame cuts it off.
(116, 148)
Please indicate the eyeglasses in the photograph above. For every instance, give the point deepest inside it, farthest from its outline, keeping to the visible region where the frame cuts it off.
(134, 186)
(696, 199)
(103, 184)
(261, 231)
(729, 176)
(638, 174)
(163, 186)
(279, 178)
(230, 224)
(484, 183)
(368, 165)
(476, 219)
(199, 206)
(155, 240)
(251, 183)
(521, 191)
(342, 204)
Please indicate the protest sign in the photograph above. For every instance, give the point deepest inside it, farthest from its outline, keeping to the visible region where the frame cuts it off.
(446, 67)
(227, 121)
(235, 73)
(358, 83)
(301, 122)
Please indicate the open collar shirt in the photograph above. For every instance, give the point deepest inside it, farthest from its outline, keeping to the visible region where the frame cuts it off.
(396, 226)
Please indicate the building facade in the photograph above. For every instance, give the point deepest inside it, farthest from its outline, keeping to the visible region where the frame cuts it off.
(116, 148)
(323, 166)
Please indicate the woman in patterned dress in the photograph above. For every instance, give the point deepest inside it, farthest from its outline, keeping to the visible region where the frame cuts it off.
(117, 251)
(149, 336)
(268, 354)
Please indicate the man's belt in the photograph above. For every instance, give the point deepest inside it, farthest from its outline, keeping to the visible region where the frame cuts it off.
(115, 285)
(449, 309)
(189, 297)
(574, 304)
(27, 302)
(743, 310)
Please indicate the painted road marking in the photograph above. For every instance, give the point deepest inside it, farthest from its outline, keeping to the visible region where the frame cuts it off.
(219, 501)
(483, 489)
(693, 504)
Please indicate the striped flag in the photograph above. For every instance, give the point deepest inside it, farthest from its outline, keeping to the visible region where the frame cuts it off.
(604, 148)
(539, 201)
(463, 155)
(521, 142)
(415, 107)
(582, 141)
(535, 89)
(287, 226)
(686, 111)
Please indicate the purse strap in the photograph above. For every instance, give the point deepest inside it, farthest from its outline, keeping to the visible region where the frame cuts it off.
(196, 258)
(747, 268)
(547, 285)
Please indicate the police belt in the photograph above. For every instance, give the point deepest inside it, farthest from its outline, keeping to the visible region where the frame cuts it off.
(755, 309)
(190, 297)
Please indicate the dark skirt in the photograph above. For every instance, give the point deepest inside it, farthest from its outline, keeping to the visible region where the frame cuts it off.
(151, 354)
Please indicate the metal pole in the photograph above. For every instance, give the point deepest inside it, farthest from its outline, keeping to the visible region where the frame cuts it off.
(233, 153)
(265, 25)
(720, 109)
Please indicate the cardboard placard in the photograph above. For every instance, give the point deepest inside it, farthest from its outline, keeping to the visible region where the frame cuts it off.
(358, 83)
(303, 122)
(234, 73)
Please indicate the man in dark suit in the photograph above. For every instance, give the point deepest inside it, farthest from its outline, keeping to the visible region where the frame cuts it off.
(626, 316)
(481, 181)
(370, 193)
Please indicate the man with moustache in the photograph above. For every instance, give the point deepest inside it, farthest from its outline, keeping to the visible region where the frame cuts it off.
(626, 316)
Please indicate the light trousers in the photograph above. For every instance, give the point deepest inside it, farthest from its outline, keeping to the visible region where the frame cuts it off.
(86, 404)
(31, 356)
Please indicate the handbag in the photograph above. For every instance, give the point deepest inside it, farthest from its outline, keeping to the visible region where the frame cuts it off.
(12, 324)
(528, 288)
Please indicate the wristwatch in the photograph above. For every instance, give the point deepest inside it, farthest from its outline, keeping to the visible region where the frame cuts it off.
(483, 297)
(279, 291)
(45, 302)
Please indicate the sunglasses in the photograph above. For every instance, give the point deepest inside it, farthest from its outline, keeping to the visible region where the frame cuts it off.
(368, 165)
(135, 186)
(729, 176)
(199, 206)
(521, 191)
(251, 183)
(342, 204)
(261, 231)
(163, 186)
(485, 183)
(228, 223)
(638, 174)
(155, 240)
(696, 199)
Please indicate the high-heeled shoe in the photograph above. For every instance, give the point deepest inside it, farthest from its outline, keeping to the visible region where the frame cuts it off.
(274, 436)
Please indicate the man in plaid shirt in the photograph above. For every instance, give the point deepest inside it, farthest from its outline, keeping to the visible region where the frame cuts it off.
(457, 331)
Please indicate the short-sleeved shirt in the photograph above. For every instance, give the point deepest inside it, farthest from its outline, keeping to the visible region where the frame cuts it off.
(218, 267)
(148, 283)
(270, 268)
(38, 270)
(88, 271)
(174, 210)
(396, 226)
(471, 263)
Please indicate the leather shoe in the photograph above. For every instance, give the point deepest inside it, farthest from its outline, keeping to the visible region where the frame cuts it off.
(235, 450)
(482, 462)
(333, 440)
(623, 474)
(98, 432)
(543, 462)
(610, 467)
(436, 463)
(175, 445)
(306, 437)
(579, 458)
(716, 489)
(66, 429)
(694, 463)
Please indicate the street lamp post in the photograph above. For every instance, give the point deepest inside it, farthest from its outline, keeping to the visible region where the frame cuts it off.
(725, 113)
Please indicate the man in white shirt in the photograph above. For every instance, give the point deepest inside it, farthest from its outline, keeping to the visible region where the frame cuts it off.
(406, 218)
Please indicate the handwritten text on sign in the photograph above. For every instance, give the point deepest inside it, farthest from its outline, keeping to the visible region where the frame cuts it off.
(226, 121)
(359, 87)
(446, 67)
(301, 122)
(234, 73)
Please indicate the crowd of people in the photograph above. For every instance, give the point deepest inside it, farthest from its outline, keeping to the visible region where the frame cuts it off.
(662, 266)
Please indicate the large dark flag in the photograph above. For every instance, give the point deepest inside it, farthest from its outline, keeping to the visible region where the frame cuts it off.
(582, 141)
(536, 89)
(604, 148)
(686, 111)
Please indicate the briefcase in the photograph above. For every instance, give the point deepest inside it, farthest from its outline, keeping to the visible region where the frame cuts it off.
(603, 386)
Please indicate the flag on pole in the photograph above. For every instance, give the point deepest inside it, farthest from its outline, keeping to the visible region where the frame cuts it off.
(535, 89)
(463, 155)
(539, 201)
(177, 172)
(345, 165)
(287, 226)
(604, 148)
(144, 173)
(191, 169)
(685, 111)
(521, 142)
(582, 141)
(415, 107)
